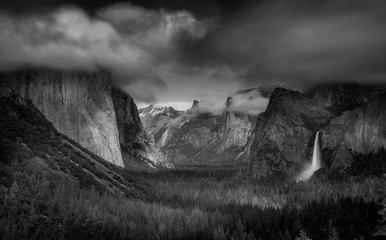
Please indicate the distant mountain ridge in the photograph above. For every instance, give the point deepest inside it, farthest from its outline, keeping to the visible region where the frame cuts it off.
(155, 117)
(196, 137)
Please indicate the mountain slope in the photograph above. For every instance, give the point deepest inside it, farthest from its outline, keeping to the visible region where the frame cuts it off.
(29, 139)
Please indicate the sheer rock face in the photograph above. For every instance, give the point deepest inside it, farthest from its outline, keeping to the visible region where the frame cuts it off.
(134, 140)
(78, 104)
(351, 121)
(235, 130)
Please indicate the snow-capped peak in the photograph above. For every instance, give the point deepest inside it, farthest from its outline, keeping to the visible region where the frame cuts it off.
(154, 110)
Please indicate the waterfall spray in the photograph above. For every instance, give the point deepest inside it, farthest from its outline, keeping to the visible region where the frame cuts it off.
(315, 164)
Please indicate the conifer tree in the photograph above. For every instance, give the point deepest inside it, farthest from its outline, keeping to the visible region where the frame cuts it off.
(381, 230)
(302, 235)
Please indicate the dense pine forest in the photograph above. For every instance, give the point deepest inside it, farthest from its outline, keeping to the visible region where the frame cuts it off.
(212, 203)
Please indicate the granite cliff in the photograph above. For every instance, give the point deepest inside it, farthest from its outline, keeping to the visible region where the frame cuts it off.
(29, 142)
(78, 104)
(284, 132)
(85, 107)
(349, 116)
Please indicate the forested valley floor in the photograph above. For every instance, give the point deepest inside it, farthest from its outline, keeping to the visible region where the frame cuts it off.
(194, 203)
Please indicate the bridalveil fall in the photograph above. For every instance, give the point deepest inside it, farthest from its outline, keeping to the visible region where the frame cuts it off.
(315, 165)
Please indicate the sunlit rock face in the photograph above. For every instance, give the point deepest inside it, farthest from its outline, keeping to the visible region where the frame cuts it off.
(134, 140)
(78, 104)
(350, 118)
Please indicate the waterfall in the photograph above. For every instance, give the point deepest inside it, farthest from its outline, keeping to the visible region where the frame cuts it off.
(315, 164)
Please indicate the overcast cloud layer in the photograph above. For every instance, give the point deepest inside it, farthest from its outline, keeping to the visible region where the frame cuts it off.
(128, 40)
(207, 51)
(301, 42)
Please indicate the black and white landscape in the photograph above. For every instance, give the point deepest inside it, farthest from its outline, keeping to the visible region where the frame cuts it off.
(193, 119)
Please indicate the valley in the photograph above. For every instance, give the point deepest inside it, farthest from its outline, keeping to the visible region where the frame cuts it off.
(192, 174)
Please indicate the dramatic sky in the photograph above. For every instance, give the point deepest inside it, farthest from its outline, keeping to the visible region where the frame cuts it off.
(171, 52)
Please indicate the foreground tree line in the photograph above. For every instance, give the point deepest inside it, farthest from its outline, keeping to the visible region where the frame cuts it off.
(193, 204)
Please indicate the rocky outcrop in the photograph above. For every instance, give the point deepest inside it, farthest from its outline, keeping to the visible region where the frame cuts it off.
(134, 140)
(351, 119)
(78, 104)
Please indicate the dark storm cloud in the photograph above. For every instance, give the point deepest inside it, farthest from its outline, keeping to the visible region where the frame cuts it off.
(300, 42)
(200, 8)
(211, 47)
(128, 40)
